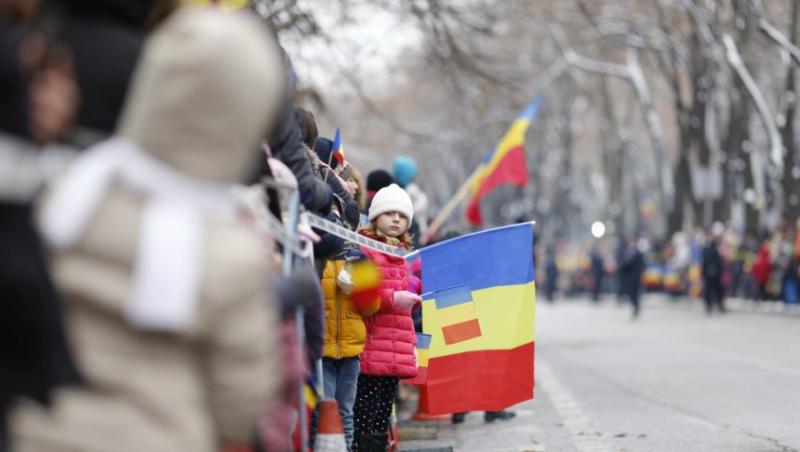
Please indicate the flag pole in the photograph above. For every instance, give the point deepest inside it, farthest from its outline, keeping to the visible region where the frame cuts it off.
(330, 160)
(451, 205)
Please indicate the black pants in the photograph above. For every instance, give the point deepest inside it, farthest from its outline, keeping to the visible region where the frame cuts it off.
(713, 295)
(633, 294)
(598, 286)
(763, 293)
(373, 408)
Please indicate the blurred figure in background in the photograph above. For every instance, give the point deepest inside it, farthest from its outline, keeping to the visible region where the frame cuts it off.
(38, 101)
(551, 274)
(376, 180)
(631, 268)
(170, 315)
(761, 270)
(289, 141)
(712, 268)
(329, 170)
(405, 173)
(791, 281)
(619, 255)
(598, 272)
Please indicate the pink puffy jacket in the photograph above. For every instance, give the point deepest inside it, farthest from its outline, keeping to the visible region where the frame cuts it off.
(389, 348)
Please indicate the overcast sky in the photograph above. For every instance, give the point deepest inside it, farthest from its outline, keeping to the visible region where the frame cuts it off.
(369, 44)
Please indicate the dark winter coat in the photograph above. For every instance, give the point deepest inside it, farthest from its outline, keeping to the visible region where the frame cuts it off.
(14, 113)
(712, 263)
(347, 204)
(34, 355)
(287, 146)
(329, 245)
(631, 270)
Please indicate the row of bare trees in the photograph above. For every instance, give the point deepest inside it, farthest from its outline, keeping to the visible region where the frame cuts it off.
(659, 114)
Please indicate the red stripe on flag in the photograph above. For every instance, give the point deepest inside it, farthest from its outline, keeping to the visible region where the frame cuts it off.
(490, 380)
(461, 332)
(511, 170)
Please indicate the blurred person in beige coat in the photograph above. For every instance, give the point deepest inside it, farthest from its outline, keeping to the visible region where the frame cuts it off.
(167, 292)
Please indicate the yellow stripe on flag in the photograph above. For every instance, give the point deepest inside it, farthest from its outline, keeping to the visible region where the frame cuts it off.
(515, 136)
(506, 315)
(457, 314)
(310, 396)
(422, 357)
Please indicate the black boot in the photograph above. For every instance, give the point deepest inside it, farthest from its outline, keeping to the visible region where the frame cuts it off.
(491, 416)
(458, 418)
(373, 442)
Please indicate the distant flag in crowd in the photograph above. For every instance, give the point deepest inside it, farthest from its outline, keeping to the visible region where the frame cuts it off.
(480, 356)
(423, 355)
(338, 148)
(504, 165)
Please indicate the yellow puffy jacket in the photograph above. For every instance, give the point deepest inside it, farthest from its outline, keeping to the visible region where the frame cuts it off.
(344, 328)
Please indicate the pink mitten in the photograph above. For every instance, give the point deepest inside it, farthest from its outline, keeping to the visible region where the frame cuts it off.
(414, 284)
(405, 300)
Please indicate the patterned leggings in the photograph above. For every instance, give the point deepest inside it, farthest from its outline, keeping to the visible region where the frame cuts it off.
(373, 407)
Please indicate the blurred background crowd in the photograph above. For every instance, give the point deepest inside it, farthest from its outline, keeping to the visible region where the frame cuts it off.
(759, 269)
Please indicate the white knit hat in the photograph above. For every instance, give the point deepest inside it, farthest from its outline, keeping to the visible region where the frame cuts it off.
(389, 199)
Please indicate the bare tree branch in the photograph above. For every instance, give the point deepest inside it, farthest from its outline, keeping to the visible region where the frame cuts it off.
(632, 72)
(773, 33)
(776, 144)
(653, 125)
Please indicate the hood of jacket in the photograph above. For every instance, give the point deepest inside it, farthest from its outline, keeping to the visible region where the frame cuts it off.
(206, 91)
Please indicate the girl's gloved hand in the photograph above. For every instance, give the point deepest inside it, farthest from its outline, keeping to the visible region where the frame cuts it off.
(405, 300)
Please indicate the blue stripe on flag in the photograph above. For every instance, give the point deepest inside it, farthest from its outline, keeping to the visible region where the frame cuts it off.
(497, 257)
(423, 341)
(531, 110)
(452, 296)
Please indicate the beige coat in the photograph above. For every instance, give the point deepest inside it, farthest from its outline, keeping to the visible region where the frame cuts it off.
(204, 387)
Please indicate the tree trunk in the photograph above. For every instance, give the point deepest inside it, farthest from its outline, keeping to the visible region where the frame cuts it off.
(791, 202)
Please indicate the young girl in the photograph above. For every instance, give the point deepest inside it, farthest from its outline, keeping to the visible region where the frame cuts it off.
(344, 337)
(389, 350)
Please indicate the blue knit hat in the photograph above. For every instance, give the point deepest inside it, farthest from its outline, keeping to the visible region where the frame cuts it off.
(405, 170)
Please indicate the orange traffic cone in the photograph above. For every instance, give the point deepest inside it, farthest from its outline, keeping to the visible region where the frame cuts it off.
(422, 409)
(330, 434)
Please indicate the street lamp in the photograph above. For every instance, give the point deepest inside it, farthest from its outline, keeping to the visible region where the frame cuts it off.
(598, 229)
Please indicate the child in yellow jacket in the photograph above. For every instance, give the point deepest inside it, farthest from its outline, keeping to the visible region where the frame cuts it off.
(344, 340)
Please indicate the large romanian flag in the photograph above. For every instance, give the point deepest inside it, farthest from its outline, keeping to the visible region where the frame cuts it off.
(504, 165)
(479, 309)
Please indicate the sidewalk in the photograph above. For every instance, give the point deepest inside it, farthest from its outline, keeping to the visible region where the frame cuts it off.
(518, 434)
(763, 307)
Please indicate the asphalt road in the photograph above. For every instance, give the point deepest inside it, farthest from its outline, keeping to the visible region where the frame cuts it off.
(674, 380)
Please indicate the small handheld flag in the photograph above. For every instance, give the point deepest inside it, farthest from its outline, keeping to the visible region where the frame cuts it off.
(337, 151)
(366, 281)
